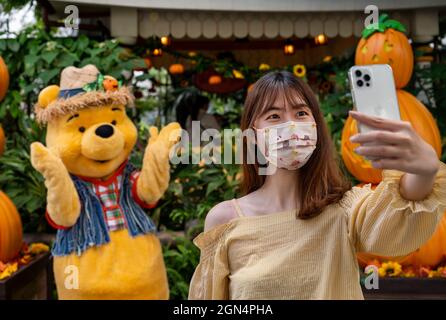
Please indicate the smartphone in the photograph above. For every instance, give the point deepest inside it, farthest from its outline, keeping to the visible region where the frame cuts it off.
(373, 92)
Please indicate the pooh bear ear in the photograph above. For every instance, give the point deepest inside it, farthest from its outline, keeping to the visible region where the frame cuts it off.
(48, 95)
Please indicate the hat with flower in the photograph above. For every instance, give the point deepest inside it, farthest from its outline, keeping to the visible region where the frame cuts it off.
(80, 88)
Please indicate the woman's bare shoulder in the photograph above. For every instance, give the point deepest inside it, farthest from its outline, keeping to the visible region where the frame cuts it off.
(220, 214)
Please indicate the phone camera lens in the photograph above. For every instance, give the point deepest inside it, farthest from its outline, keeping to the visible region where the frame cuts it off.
(359, 83)
(366, 77)
(358, 73)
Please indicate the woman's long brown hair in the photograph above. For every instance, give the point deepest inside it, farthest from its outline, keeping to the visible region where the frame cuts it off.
(321, 180)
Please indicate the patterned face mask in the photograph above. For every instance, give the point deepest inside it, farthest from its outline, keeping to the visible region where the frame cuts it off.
(288, 145)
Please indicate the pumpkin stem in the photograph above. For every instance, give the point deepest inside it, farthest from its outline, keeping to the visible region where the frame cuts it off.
(384, 23)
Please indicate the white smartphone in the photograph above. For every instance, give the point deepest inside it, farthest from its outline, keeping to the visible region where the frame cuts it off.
(373, 92)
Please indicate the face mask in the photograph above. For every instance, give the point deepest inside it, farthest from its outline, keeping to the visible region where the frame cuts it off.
(288, 145)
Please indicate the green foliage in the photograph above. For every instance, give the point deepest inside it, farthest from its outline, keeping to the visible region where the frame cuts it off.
(431, 82)
(181, 261)
(9, 5)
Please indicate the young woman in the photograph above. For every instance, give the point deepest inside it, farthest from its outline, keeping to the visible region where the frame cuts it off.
(295, 233)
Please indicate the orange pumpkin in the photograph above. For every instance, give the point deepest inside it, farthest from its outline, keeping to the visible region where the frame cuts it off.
(359, 167)
(2, 140)
(110, 83)
(411, 110)
(10, 229)
(214, 80)
(387, 45)
(148, 62)
(4, 79)
(430, 254)
(176, 68)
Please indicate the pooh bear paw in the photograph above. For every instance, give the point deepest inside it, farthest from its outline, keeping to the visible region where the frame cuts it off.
(43, 160)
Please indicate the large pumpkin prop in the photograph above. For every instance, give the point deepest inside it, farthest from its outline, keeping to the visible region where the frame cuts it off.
(4, 79)
(387, 45)
(10, 229)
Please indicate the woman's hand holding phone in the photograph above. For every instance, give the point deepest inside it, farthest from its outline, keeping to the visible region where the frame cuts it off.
(395, 145)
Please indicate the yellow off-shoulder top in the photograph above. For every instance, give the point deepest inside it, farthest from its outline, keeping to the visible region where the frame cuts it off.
(277, 256)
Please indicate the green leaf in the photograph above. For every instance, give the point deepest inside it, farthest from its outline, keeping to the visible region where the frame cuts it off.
(49, 56)
(2, 45)
(13, 45)
(82, 43)
(66, 60)
(48, 75)
(30, 60)
(214, 185)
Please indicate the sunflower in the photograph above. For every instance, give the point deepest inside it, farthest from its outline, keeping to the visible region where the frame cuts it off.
(237, 74)
(299, 70)
(325, 86)
(390, 268)
(264, 67)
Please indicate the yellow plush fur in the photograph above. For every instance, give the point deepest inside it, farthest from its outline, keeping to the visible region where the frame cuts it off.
(127, 267)
(136, 264)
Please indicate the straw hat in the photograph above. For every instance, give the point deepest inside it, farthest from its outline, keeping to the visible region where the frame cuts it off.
(80, 88)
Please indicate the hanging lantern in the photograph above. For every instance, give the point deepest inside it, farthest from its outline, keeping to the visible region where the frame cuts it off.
(166, 41)
(157, 52)
(321, 39)
(288, 48)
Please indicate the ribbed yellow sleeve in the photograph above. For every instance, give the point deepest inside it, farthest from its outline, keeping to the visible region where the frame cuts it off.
(384, 223)
(210, 280)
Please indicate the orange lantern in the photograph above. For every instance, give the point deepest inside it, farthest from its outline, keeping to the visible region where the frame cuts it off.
(157, 52)
(288, 49)
(321, 39)
(166, 41)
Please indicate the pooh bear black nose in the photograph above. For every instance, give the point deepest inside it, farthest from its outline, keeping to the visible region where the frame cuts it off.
(104, 131)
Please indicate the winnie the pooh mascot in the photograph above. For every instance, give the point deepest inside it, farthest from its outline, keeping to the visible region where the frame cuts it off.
(106, 247)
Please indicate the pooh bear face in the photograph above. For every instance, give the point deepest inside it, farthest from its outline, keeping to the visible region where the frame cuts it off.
(94, 141)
